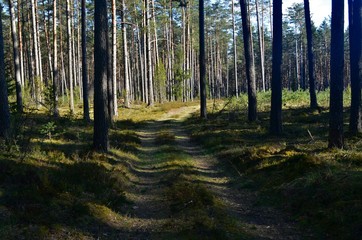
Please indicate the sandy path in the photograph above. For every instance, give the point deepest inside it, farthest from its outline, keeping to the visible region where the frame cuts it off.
(150, 217)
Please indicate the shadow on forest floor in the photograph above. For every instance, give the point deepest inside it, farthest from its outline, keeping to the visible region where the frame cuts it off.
(157, 184)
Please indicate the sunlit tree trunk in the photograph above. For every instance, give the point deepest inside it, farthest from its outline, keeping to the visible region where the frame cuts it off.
(22, 71)
(55, 56)
(261, 44)
(70, 59)
(235, 50)
(114, 56)
(149, 55)
(125, 58)
(16, 56)
(249, 62)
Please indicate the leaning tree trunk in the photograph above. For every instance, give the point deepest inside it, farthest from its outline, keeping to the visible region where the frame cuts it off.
(249, 62)
(17, 67)
(101, 117)
(85, 64)
(337, 66)
(276, 82)
(4, 104)
(355, 40)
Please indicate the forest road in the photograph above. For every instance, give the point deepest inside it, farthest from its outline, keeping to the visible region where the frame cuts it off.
(153, 209)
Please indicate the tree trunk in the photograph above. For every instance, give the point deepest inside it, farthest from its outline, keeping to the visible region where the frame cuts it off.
(337, 66)
(17, 68)
(308, 25)
(101, 117)
(235, 51)
(125, 57)
(70, 59)
(55, 56)
(21, 44)
(202, 60)
(261, 44)
(149, 55)
(85, 64)
(249, 62)
(276, 83)
(114, 56)
(4, 103)
(355, 125)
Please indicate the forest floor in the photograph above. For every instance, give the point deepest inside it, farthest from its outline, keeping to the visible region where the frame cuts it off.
(180, 191)
(170, 175)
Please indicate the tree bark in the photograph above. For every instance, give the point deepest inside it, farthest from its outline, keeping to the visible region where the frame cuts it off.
(249, 62)
(149, 55)
(16, 55)
(125, 57)
(276, 82)
(4, 103)
(85, 64)
(70, 59)
(337, 66)
(202, 60)
(355, 125)
(101, 116)
(55, 56)
(308, 25)
(235, 51)
(261, 44)
(114, 55)
(21, 43)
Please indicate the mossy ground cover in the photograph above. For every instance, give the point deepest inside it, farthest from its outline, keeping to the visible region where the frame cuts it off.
(50, 179)
(320, 187)
(52, 185)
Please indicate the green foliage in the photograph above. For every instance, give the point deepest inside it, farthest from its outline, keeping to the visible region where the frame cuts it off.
(160, 81)
(48, 96)
(48, 129)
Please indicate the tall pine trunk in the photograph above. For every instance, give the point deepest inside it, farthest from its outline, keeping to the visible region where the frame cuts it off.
(276, 82)
(101, 115)
(202, 60)
(249, 62)
(4, 103)
(308, 25)
(85, 64)
(235, 50)
(337, 66)
(16, 56)
(55, 56)
(125, 58)
(70, 59)
(355, 125)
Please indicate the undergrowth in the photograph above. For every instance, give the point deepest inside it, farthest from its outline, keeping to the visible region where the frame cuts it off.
(321, 188)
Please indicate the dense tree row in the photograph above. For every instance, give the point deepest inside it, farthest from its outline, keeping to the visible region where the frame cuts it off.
(152, 51)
